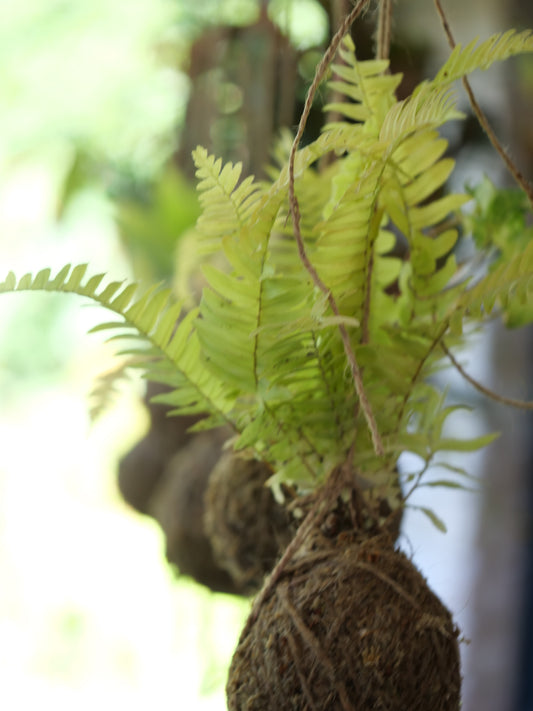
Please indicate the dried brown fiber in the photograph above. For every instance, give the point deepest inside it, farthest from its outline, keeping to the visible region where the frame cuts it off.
(348, 627)
(246, 526)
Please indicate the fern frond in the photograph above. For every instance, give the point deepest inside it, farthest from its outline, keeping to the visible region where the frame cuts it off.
(105, 389)
(498, 47)
(226, 202)
(432, 104)
(345, 240)
(509, 284)
(171, 353)
(426, 109)
(368, 85)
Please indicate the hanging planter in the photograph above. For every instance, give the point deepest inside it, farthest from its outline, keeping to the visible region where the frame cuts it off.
(332, 295)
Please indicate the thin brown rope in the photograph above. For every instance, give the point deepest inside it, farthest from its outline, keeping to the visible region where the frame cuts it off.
(483, 120)
(384, 32)
(314, 645)
(519, 404)
(296, 218)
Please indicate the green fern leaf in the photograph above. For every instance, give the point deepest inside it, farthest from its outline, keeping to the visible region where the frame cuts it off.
(432, 516)
(225, 202)
(498, 47)
(171, 353)
(431, 104)
(425, 110)
(105, 389)
(498, 288)
(368, 85)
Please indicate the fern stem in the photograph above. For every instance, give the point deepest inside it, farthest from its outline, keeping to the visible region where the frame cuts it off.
(481, 117)
(520, 404)
(418, 479)
(384, 31)
(373, 233)
(296, 217)
(330, 393)
(434, 343)
(258, 324)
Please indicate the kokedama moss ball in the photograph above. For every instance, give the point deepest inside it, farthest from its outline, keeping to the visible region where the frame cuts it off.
(347, 628)
(248, 529)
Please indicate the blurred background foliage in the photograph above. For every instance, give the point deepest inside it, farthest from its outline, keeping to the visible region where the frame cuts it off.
(101, 105)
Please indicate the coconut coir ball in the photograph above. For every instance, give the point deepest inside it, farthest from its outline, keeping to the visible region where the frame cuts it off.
(348, 628)
(248, 529)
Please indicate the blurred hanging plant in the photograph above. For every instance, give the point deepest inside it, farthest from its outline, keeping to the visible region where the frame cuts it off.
(332, 291)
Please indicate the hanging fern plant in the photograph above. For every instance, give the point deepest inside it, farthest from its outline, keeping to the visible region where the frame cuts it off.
(264, 350)
(332, 294)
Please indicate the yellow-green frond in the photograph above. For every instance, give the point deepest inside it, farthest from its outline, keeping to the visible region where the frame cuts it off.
(167, 351)
(474, 55)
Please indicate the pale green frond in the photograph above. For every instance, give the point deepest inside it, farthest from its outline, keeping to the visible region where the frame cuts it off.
(105, 388)
(425, 110)
(344, 243)
(432, 516)
(432, 104)
(368, 86)
(171, 352)
(498, 47)
(497, 290)
(225, 202)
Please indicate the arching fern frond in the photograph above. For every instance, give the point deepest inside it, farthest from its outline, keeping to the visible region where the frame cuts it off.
(474, 55)
(507, 285)
(105, 388)
(171, 351)
(431, 104)
(427, 109)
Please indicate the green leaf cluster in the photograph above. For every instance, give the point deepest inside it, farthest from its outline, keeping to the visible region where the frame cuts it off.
(501, 226)
(262, 350)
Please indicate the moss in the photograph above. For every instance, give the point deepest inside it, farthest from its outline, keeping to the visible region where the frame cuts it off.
(348, 627)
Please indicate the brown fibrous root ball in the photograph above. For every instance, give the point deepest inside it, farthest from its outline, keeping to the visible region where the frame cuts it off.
(348, 627)
(248, 529)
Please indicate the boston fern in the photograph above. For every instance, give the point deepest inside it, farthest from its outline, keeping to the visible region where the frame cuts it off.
(321, 348)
